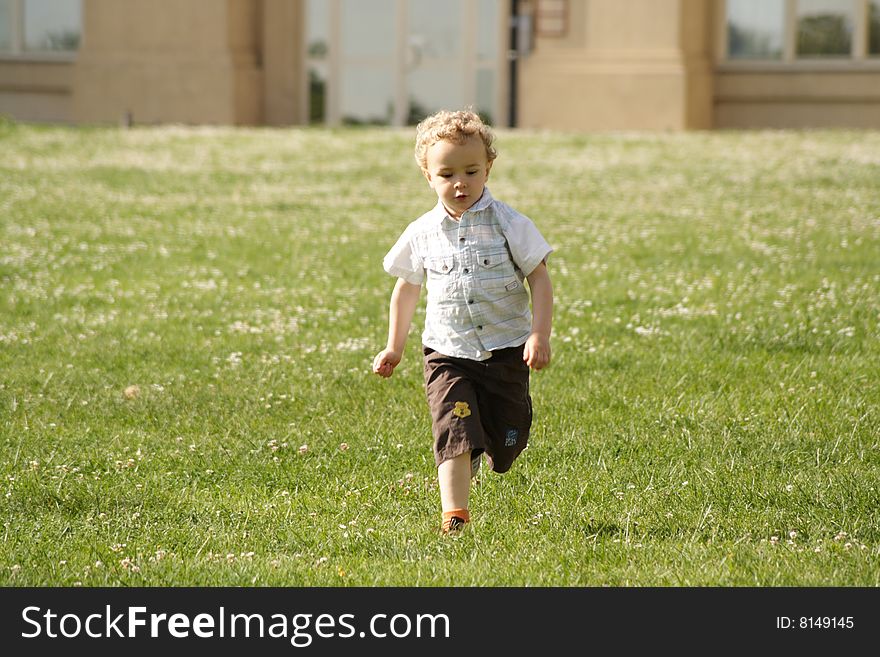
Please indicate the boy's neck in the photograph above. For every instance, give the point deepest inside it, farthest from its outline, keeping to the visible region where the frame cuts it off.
(451, 214)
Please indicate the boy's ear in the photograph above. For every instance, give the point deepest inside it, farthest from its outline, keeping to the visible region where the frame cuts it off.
(489, 167)
(427, 175)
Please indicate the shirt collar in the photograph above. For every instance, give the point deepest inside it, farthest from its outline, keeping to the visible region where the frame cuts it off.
(482, 203)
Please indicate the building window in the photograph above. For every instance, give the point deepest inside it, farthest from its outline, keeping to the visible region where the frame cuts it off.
(799, 30)
(40, 26)
(755, 29)
(825, 28)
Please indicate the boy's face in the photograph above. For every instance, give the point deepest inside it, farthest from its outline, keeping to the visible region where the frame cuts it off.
(457, 173)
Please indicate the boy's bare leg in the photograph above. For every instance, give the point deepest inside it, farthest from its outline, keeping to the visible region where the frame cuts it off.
(454, 477)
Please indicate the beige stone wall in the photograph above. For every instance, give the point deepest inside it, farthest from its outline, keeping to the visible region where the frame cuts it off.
(33, 90)
(806, 98)
(169, 61)
(641, 64)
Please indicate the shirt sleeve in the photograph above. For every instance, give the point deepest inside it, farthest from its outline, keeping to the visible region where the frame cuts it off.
(403, 262)
(527, 246)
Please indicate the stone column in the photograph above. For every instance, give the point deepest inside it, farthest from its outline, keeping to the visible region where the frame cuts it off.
(161, 61)
(622, 65)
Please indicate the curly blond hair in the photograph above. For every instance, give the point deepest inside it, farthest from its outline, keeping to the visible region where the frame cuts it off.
(457, 127)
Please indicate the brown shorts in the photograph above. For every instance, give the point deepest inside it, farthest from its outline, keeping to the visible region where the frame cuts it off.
(479, 405)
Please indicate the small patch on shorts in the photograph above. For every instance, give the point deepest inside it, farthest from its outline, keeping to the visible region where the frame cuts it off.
(511, 437)
(511, 286)
(461, 409)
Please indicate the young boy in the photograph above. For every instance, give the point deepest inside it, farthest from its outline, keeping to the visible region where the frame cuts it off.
(480, 338)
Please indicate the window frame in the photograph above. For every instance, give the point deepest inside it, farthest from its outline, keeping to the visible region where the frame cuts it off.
(859, 58)
(17, 50)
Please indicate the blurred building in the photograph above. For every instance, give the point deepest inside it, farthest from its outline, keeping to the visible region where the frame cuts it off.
(556, 64)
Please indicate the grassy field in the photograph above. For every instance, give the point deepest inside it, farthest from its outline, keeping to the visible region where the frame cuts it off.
(188, 316)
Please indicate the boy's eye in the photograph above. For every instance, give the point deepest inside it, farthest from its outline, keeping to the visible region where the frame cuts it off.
(472, 173)
(446, 175)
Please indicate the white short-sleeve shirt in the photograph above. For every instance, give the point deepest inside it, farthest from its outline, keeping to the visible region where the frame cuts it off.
(475, 270)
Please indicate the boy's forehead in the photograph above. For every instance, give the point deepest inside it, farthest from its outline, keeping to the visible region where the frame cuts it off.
(471, 147)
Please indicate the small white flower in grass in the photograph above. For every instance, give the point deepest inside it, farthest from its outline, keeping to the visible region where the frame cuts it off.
(343, 447)
(132, 391)
(792, 534)
(117, 547)
(789, 488)
(128, 564)
(303, 449)
(685, 483)
(774, 540)
(840, 536)
(15, 569)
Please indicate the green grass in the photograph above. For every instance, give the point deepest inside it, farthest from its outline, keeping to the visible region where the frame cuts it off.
(711, 417)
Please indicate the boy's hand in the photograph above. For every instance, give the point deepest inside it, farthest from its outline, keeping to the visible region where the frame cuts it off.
(537, 351)
(385, 362)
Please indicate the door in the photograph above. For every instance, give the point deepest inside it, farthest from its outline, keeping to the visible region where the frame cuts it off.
(392, 62)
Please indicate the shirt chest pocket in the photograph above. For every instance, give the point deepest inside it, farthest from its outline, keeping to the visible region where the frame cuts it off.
(496, 269)
(440, 271)
(492, 259)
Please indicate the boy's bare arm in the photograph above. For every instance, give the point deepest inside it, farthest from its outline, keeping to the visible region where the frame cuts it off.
(537, 349)
(404, 300)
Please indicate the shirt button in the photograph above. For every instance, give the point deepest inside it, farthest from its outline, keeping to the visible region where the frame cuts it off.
(485, 262)
(479, 328)
(470, 300)
(445, 267)
(461, 239)
(465, 271)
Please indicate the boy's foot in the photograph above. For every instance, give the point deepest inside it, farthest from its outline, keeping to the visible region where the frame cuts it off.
(454, 520)
(452, 525)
